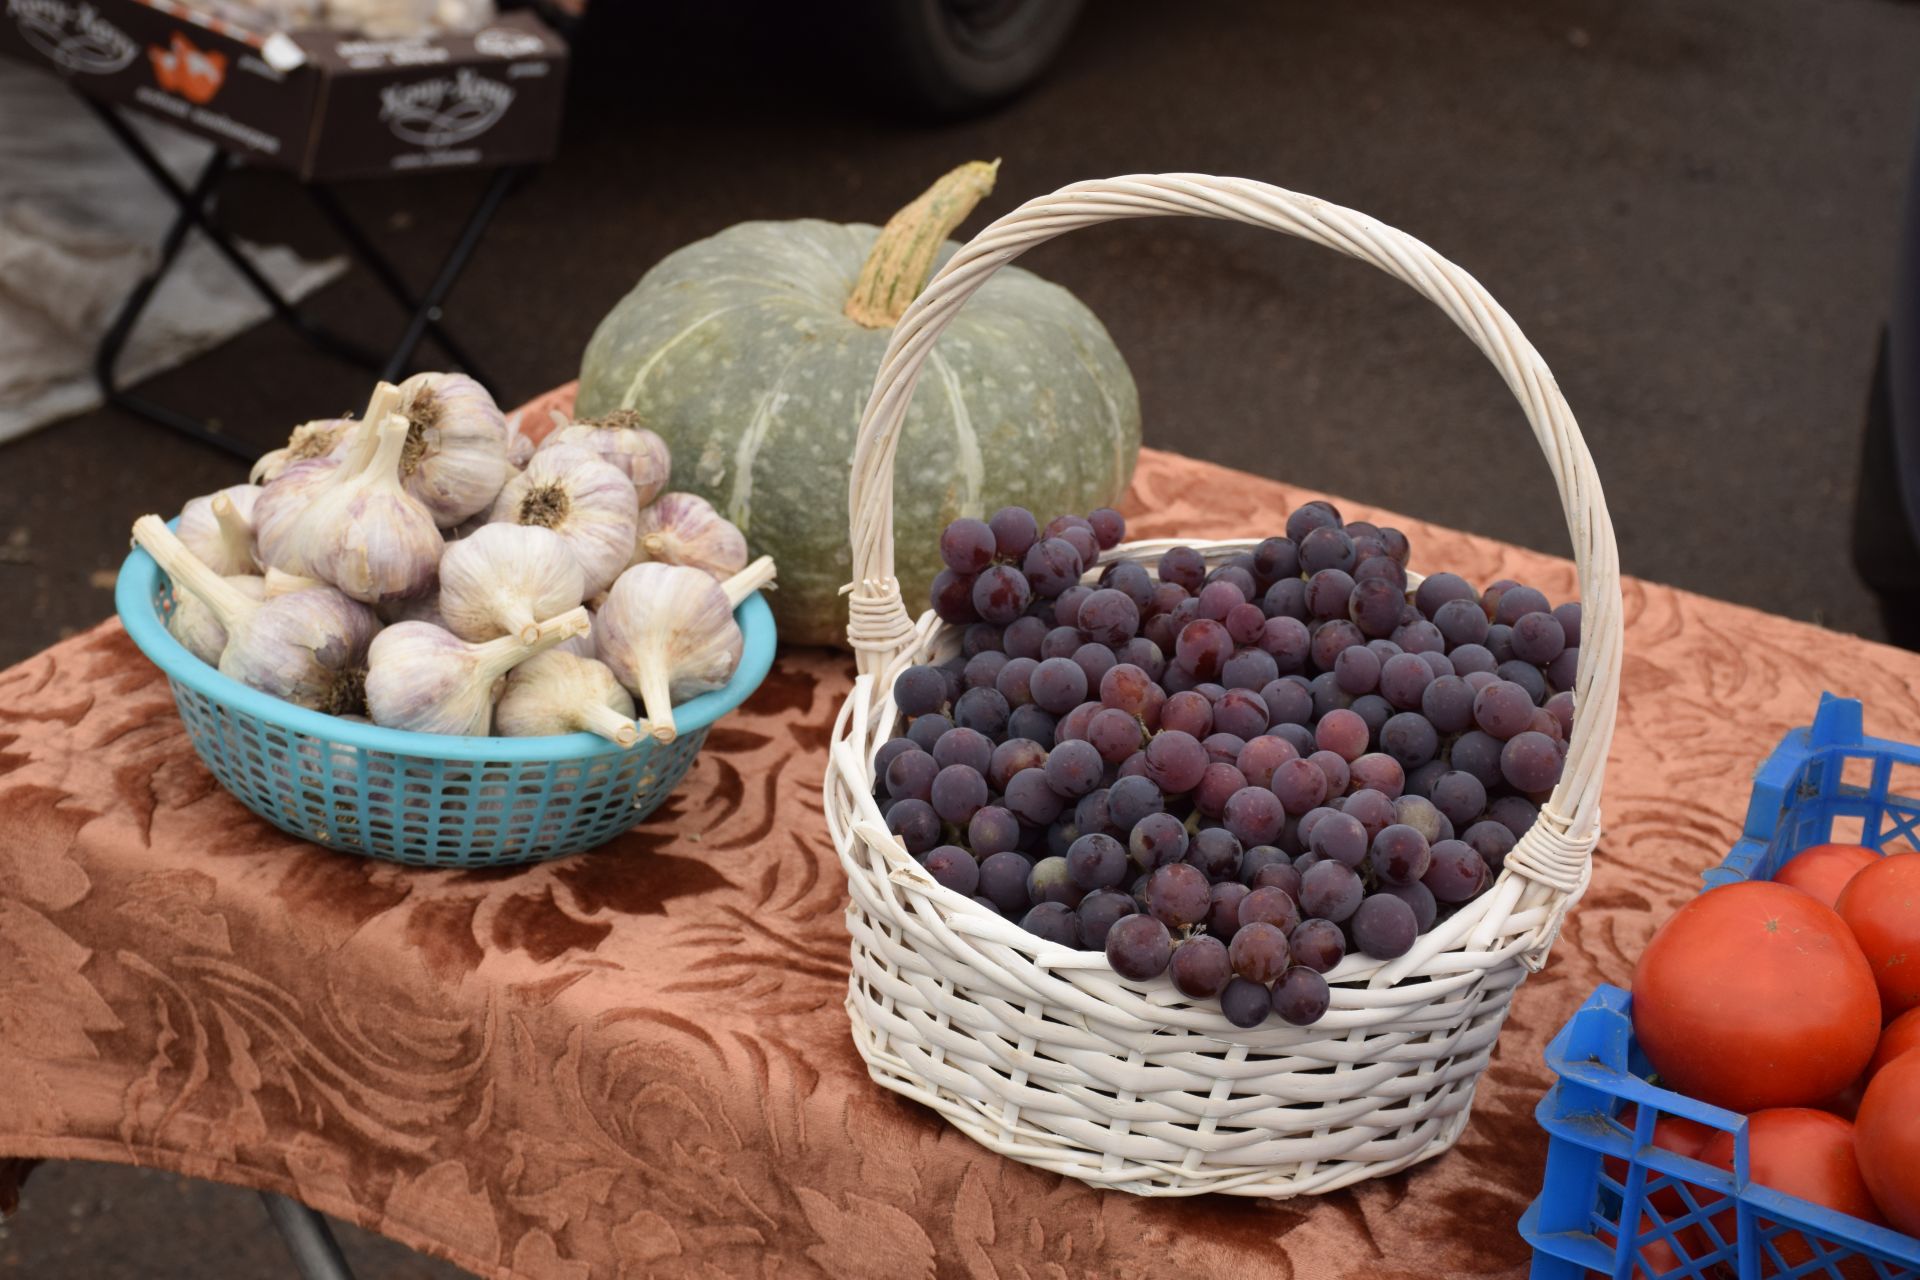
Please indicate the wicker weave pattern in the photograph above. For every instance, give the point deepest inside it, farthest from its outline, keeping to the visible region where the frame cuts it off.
(1043, 1053)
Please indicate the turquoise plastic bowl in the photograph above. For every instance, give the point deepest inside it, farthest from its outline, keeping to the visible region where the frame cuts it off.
(428, 800)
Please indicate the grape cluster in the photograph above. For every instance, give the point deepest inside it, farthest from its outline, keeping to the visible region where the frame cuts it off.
(1234, 774)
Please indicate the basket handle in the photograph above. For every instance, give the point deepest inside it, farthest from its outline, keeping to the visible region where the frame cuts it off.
(1556, 853)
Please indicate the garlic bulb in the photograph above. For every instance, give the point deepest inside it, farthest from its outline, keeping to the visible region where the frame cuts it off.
(684, 528)
(558, 692)
(588, 502)
(309, 440)
(668, 633)
(619, 439)
(195, 625)
(505, 579)
(308, 648)
(279, 583)
(367, 535)
(219, 529)
(285, 500)
(456, 455)
(427, 680)
(419, 609)
(520, 446)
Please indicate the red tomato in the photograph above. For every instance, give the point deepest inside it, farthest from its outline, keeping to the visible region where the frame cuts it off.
(1754, 995)
(1882, 907)
(1804, 1153)
(1888, 1141)
(1824, 870)
(1901, 1035)
(1670, 1133)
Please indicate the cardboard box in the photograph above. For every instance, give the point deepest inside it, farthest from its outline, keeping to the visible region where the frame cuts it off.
(319, 103)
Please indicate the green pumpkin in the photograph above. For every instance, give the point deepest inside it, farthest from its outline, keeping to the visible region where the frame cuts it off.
(741, 352)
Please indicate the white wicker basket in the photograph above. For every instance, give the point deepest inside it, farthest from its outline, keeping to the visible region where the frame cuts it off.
(1043, 1053)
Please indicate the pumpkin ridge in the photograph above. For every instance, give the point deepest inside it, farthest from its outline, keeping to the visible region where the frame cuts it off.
(973, 473)
(740, 501)
(647, 366)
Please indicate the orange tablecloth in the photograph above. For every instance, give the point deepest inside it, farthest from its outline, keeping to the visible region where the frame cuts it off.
(635, 1062)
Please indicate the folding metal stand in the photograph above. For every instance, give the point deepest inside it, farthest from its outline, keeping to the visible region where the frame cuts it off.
(316, 1255)
(423, 310)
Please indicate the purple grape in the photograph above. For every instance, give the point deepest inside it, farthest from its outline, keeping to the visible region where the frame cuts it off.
(1015, 681)
(1277, 876)
(1437, 662)
(1050, 566)
(1409, 738)
(1399, 855)
(1189, 713)
(1054, 921)
(910, 776)
(1109, 617)
(952, 597)
(1184, 567)
(1218, 784)
(1308, 516)
(1420, 781)
(917, 691)
(1090, 815)
(1374, 606)
(1531, 762)
(1031, 799)
(1056, 839)
(1003, 881)
(1328, 696)
(954, 868)
(1527, 676)
(1301, 996)
(964, 746)
(1460, 796)
(1499, 643)
(1461, 622)
(1010, 757)
(1297, 736)
(1109, 527)
(992, 830)
(1447, 704)
(1097, 861)
(1269, 906)
(1404, 680)
(1178, 894)
(1341, 837)
(1275, 558)
(979, 638)
(1420, 814)
(983, 711)
(1073, 769)
(925, 731)
(1335, 767)
(1317, 944)
(1258, 951)
(1559, 706)
(1144, 655)
(1058, 685)
(1287, 703)
(1083, 542)
(1095, 660)
(1538, 638)
(1203, 648)
(1568, 616)
(1330, 890)
(1131, 580)
(1515, 813)
(1331, 638)
(1435, 591)
(1001, 593)
(1114, 734)
(1098, 912)
(1455, 872)
(1564, 671)
(1200, 968)
(1375, 711)
(1214, 852)
(958, 792)
(1478, 754)
(1380, 772)
(1246, 1003)
(1033, 724)
(1420, 898)
(891, 750)
(1175, 760)
(1469, 659)
(1240, 712)
(915, 822)
(1328, 592)
(1420, 636)
(1397, 545)
(1286, 598)
(1261, 756)
(1516, 602)
(1299, 785)
(1157, 840)
(1237, 574)
(1502, 709)
(1382, 569)
(1288, 642)
(1249, 669)
(1342, 732)
(1050, 882)
(1384, 927)
(1326, 548)
(1492, 841)
(1223, 912)
(1257, 857)
(1014, 530)
(1131, 799)
(1254, 814)
(1218, 599)
(1059, 644)
(1357, 670)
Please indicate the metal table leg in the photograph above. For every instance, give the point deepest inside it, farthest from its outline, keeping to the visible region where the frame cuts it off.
(316, 1255)
(427, 314)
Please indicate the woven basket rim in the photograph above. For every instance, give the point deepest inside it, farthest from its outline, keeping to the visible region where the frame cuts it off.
(138, 583)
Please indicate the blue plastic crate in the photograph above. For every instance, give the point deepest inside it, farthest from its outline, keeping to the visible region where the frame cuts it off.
(1827, 782)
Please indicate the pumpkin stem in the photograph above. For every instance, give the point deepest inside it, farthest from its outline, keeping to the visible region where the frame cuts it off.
(897, 266)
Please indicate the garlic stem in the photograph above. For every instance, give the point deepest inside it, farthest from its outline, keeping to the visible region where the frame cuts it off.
(187, 570)
(597, 717)
(502, 654)
(515, 618)
(235, 532)
(656, 694)
(749, 580)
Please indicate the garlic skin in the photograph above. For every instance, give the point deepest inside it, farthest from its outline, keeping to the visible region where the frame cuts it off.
(198, 628)
(558, 692)
(455, 458)
(279, 583)
(684, 528)
(218, 528)
(427, 680)
(520, 446)
(619, 439)
(419, 609)
(366, 534)
(308, 648)
(668, 633)
(309, 440)
(505, 579)
(589, 503)
(284, 502)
